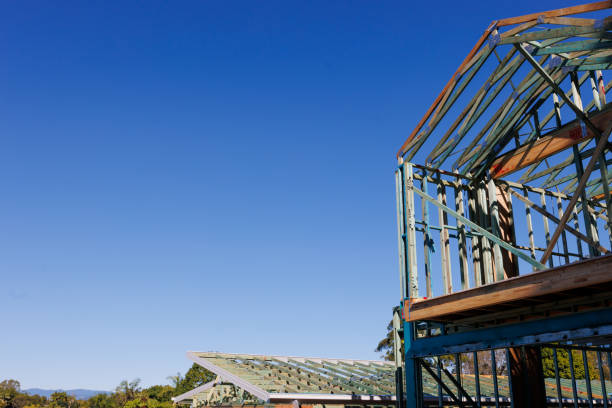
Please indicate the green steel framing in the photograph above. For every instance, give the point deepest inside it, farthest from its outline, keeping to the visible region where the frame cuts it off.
(498, 104)
(277, 379)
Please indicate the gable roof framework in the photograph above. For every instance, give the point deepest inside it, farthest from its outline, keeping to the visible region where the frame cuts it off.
(531, 88)
(282, 379)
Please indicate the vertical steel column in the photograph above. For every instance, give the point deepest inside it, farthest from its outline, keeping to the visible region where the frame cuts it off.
(476, 240)
(397, 355)
(602, 88)
(609, 360)
(412, 370)
(461, 237)
(587, 378)
(477, 379)
(577, 228)
(557, 107)
(494, 373)
(510, 387)
(413, 396)
(458, 373)
(530, 227)
(546, 228)
(557, 378)
(602, 379)
(483, 211)
(574, 389)
(439, 368)
(447, 279)
(496, 230)
(410, 241)
(596, 97)
(401, 226)
(427, 250)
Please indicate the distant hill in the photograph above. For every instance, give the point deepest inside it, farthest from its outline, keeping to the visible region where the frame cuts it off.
(77, 393)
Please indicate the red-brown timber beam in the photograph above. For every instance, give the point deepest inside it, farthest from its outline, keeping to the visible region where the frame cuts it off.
(588, 273)
(583, 8)
(548, 145)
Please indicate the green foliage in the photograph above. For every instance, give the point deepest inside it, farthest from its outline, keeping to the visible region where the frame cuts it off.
(128, 394)
(22, 400)
(101, 401)
(385, 346)
(127, 391)
(10, 385)
(9, 389)
(62, 400)
(160, 393)
(194, 377)
(548, 364)
(144, 402)
(12, 397)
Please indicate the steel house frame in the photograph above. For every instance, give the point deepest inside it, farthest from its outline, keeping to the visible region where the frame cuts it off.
(504, 206)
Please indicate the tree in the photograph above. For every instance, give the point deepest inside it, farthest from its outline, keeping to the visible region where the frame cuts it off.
(161, 393)
(101, 401)
(548, 364)
(127, 391)
(385, 346)
(62, 400)
(23, 400)
(9, 389)
(175, 380)
(10, 385)
(194, 377)
(12, 397)
(128, 394)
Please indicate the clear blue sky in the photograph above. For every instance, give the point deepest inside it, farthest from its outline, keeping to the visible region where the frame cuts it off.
(207, 176)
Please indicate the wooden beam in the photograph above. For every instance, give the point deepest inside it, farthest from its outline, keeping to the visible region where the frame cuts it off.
(548, 145)
(583, 8)
(599, 197)
(527, 376)
(573, 21)
(590, 272)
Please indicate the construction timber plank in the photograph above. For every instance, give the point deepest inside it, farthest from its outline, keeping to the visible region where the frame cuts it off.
(593, 272)
(552, 143)
(583, 8)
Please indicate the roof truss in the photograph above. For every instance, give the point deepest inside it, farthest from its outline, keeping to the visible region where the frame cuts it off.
(282, 378)
(525, 79)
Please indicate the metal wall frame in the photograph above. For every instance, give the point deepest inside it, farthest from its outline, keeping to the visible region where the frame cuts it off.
(507, 174)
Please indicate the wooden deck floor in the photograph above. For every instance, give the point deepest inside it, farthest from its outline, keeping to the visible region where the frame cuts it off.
(564, 286)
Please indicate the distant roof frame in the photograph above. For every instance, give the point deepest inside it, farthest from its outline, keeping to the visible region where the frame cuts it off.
(189, 394)
(287, 397)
